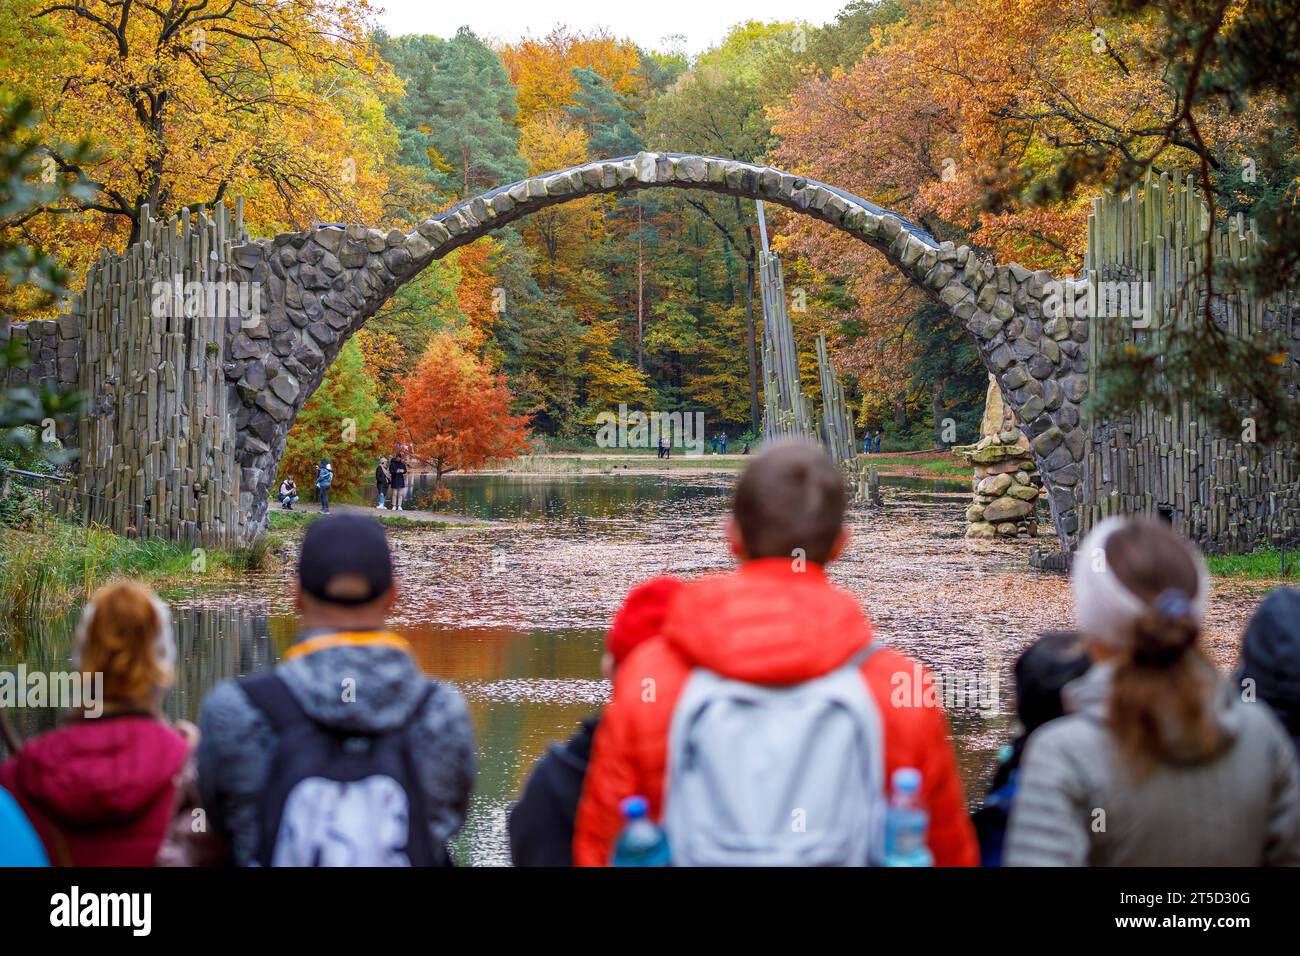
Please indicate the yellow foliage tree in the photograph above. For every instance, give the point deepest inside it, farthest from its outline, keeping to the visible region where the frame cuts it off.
(542, 69)
(607, 379)
(190, 103)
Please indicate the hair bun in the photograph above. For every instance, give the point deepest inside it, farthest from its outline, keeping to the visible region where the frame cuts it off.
(1166, 631)
(1173, 605)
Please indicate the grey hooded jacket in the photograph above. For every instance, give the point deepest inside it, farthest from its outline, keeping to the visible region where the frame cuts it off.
(1078, 804)
(238, 743)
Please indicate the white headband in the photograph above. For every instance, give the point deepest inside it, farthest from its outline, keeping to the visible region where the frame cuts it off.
(164, 642)
(1104, 609)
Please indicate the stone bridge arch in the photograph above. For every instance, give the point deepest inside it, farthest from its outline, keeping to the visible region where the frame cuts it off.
(320, 285)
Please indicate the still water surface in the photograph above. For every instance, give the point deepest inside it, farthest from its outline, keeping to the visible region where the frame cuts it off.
(514, 612)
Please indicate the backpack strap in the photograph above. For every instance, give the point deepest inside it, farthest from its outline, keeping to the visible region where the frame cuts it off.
(862, 655)
(271, 695)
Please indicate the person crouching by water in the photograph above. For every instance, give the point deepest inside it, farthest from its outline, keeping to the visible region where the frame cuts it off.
(1159, 762)
(541, 824)
(382, 481)
(100, 789)
(288, 493)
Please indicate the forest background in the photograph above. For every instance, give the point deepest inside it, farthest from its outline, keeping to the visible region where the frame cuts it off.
(967, 116)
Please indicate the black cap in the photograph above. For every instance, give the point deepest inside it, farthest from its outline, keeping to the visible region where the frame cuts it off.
(346, 545)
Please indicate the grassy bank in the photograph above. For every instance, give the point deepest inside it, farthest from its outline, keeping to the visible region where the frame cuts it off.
(613, 461)
(1262, 565)
(922, 465)
(281, 522)
(44, 571)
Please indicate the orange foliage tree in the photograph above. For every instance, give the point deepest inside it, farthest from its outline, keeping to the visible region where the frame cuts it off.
(952, 111)
(455, 413)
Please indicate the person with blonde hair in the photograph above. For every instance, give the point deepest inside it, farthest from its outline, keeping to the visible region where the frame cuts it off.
(100, 788)
(382, 481)
(1158, 762)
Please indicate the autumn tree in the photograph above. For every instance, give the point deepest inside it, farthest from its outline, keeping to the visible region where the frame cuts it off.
(383, 361)
(609, 380)
(191, 103)
(716, 108)
(343, 422)
(23, 408)
(543, 70)
(455, 413)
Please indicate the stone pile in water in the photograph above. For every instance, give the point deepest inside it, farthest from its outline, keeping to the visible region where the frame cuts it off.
(1006, 483)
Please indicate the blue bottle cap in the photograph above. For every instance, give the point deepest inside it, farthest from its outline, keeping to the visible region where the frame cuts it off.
(634, 808)
(907, 780)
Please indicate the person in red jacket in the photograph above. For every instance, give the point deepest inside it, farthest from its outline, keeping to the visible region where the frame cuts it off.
(100, 789)
(777, 620)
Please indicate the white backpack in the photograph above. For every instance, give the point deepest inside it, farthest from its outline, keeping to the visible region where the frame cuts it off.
(776, 776)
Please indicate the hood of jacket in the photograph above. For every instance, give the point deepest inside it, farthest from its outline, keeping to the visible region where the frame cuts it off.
(767, 623)
(363, 687)
(94, 772)
(1089, 696)
(1270, 655)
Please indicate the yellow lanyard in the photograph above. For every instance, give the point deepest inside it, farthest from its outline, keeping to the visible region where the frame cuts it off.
(346, 639)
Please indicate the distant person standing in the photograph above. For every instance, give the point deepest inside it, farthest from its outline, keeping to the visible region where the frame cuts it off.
(382, 481)
(397, 478)
(722, 440)
(324, 478)
(662, 449)
(879, 437)
(867, 442)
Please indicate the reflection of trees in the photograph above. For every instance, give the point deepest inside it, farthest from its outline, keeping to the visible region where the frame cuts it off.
(497, 497)
(215, 643)
(212, 644)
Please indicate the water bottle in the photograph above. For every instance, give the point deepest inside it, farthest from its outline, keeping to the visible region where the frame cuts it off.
(906, 822)
(642, 842)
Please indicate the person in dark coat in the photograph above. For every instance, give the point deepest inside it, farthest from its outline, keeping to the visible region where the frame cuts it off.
(1041, 672)
(381, 481)
(1270, 659)
(541, 823)
(397, 480)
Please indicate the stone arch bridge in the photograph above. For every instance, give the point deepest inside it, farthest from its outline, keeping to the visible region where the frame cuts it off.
(323, 283)
(189, 416)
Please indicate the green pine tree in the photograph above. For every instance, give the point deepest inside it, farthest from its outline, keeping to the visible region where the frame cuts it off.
(456, 121)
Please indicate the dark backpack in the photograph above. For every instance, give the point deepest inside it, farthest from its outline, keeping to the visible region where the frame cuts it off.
(336, 797)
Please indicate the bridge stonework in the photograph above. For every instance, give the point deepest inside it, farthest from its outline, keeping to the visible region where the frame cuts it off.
(160, 409)
(323, 283)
